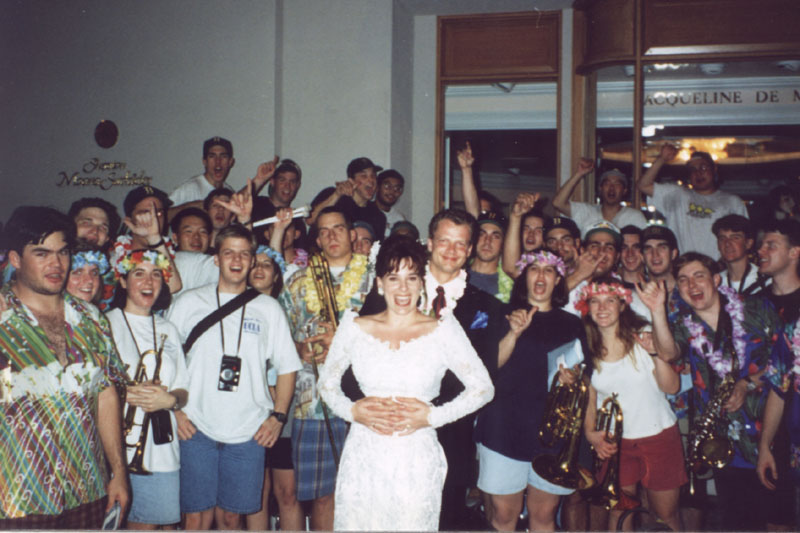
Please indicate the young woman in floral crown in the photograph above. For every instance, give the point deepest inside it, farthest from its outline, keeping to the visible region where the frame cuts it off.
(138, 332)
(507, 430)
(624, 364)
(266, 277)
(85, 280)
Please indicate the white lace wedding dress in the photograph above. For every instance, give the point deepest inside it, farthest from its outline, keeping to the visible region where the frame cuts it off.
(395, 482)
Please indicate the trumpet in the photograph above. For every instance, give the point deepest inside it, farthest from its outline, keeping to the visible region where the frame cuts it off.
(135, 466)
(608, 492)
(565, 410)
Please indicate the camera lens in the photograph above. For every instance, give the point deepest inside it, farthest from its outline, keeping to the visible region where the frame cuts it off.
(226, 374)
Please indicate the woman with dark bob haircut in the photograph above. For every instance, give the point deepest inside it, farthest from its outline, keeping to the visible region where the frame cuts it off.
(507, 430)
(139, 333)
(392, 467)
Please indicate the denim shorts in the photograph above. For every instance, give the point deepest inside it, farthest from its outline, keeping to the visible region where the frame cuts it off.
(501, 475)
(216, 474)
(155, 498)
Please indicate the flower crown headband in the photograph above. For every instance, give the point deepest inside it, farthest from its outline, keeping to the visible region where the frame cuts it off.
(128, 262)
(90, 257)
(593, 289)
(542, 257)
(274, 255)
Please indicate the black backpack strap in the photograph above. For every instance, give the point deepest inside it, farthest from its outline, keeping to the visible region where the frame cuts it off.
(217, 315)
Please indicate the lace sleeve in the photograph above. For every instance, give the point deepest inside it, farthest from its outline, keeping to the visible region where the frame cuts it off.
(337, 362)
(461, 358)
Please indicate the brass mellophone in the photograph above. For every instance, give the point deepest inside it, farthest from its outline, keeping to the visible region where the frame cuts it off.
(564, 412)
(136, 464)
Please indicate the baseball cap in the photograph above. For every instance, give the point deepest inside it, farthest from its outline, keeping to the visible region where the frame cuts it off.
(140, 193)
(562, 223)
(605, 227)
(361, 163)
(661, 233)
(217, 141)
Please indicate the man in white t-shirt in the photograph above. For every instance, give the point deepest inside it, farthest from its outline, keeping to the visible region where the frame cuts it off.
(230, 416)
(218, 161)
(612, 188)
(691, 211)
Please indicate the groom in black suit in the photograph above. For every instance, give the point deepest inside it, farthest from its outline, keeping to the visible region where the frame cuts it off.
(450, 237)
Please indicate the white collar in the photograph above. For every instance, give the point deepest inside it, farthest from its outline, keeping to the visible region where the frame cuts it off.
(453, 290)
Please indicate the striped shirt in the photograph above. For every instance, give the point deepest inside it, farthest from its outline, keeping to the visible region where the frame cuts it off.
(51, 456)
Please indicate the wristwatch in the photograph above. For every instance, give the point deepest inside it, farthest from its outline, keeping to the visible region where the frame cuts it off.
(280, 417)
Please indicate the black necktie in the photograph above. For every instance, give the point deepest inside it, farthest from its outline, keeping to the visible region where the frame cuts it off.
(439, 302)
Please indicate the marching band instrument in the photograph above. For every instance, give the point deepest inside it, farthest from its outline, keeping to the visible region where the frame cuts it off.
(135, 466)
(565, 410)
(608, 493)
(709, 447)
(320, 272)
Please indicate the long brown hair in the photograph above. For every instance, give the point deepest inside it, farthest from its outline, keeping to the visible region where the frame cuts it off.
(628, 326)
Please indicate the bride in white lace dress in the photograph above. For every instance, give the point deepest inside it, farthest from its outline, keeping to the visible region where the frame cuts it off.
(392, 467)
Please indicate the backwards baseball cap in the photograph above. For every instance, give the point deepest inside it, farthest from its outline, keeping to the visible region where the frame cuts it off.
(562, 223)
(604, 227)
(367, 226)
(492, 217)
(661, 233)
(614, 172)
(140, 193)
(361, 163)
(705, 156)
(217, 141)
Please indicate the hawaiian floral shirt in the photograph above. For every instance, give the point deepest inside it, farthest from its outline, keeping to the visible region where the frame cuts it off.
(783, 376)
(305, 322)
(761, 329)
(51, 456)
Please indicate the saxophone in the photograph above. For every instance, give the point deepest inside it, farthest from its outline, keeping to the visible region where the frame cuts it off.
(709, 447)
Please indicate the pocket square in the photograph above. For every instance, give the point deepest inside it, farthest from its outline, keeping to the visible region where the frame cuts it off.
(480, 321)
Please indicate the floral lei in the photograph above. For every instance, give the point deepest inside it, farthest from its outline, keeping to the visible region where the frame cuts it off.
(351, 281)
(590, 290)
(300, 258)
(90, 257)
(138, 257)
(700, 343)
(504, 284)
(274, 255)
(543, 257)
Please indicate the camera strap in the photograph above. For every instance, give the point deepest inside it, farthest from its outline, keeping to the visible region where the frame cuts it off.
(217, 315)
(222, 328)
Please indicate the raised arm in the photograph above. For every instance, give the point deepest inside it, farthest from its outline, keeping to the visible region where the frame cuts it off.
(654, 294)
(512, 247)
(468, 189)
(518, 321)
(561, 200)
(343, 188)
(648, 179)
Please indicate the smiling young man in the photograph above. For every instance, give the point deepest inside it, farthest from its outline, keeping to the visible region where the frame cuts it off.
(486, 271)
(390, 188)
(217, 163)
(58, 367)
(691, 211)
(722, 333)
(191, 228)
(735, 237)
(612, 188)
(230, 416)
(353, 196)
(631, 260)
(315, 466)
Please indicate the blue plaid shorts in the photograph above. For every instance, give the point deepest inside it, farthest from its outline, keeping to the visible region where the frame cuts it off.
(314, 466)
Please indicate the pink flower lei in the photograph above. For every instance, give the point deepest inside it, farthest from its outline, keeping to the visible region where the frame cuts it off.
(590, 290)
(542, 257)
(700, 343)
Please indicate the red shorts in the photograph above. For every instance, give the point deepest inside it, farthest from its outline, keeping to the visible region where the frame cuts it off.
(656, 461)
